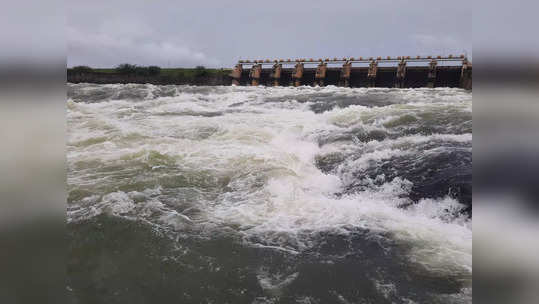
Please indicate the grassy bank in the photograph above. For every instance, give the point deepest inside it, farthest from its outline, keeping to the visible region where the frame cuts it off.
(174, 72)
(136, 74)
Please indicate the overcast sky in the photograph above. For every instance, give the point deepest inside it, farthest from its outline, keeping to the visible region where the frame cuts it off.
(218, 33)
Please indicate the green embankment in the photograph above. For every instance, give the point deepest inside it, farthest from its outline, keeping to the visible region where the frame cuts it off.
(174, 72)
(153, 74)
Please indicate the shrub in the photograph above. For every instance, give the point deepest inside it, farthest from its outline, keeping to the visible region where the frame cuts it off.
(200, 71)
(126, 68)
(142, 71)
(154, 70)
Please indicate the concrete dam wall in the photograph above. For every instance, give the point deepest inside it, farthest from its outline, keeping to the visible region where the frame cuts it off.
(400, 72)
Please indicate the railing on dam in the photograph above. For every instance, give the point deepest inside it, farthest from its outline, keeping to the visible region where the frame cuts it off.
(398, 72)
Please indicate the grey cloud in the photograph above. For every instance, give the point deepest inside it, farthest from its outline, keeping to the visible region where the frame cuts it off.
(105, 49)
(218, 33)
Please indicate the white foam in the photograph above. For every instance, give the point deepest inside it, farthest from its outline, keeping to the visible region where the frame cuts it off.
(267, 151)
(274, 284)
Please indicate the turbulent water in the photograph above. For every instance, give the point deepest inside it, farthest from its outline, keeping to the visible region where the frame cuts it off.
(182, 194)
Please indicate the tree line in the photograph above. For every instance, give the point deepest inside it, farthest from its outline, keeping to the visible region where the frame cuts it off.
(132, 69)
(124, 68)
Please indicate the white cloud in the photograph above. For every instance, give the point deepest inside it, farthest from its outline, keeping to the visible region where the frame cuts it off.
(217, 33)
(136, 45)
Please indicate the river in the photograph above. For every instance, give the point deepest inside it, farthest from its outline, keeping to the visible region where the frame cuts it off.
(222, 194)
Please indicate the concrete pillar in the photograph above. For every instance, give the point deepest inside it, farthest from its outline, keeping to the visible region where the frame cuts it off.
(373, 70)
(276, 73)
(401, 74)
(432, 73)
(345, 73)
(320, 74)
(466, 74)
(256, 71)
(236, 74)
(298, 74)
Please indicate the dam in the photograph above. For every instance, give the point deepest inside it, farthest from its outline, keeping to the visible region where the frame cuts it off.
(387, 72)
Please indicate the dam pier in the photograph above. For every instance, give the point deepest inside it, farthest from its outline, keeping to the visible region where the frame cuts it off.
(388, 72)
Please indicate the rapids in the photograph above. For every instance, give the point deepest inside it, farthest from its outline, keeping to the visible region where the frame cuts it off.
(269, 195)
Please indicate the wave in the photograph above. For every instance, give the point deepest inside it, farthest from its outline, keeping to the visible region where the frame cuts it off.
(276, 168)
